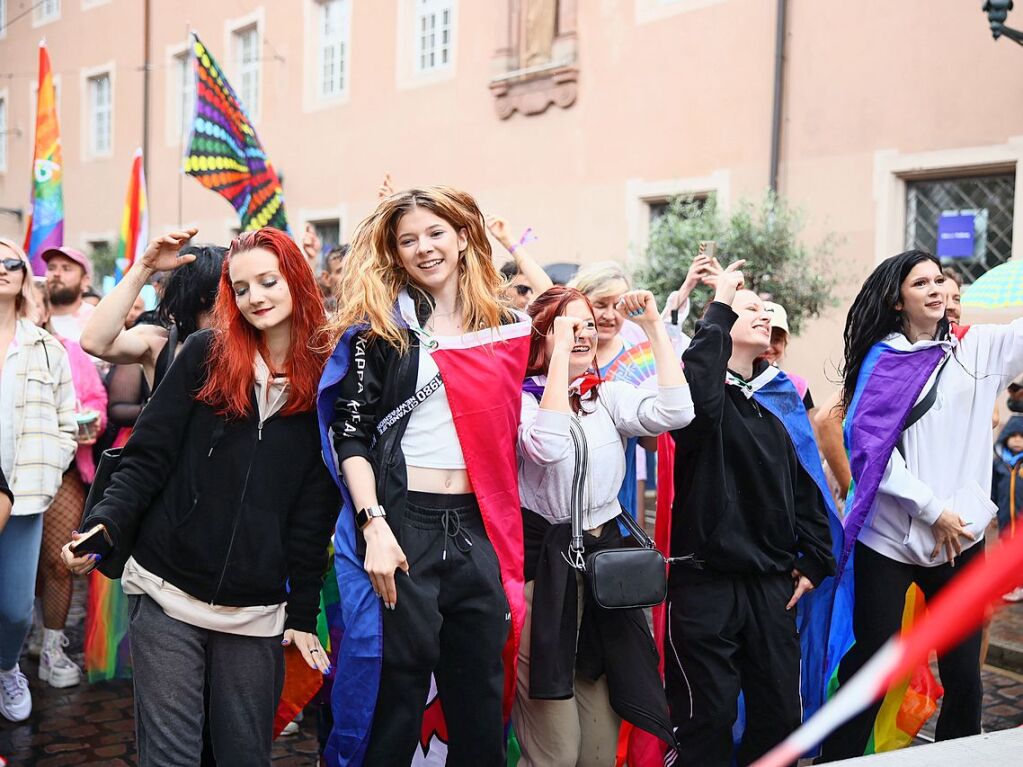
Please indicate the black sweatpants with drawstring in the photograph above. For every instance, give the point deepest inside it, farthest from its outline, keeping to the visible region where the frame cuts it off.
(452, 621)
(728, 633)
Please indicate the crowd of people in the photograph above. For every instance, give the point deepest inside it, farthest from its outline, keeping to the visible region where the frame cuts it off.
(447, 435)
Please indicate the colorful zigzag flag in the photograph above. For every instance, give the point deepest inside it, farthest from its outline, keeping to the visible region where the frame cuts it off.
(224, 153)
(46, 220)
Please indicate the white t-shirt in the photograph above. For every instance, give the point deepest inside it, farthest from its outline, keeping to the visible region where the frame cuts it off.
(70, 326)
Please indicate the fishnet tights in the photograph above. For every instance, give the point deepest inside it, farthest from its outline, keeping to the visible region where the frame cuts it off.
(54, 580)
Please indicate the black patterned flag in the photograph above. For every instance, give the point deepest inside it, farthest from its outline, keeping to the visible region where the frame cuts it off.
(224, 153)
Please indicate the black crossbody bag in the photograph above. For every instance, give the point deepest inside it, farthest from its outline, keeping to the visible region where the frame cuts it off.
(623, 578)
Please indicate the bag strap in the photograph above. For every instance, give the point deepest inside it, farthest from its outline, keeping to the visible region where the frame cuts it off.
(920, 408)
(577, 549)
(408, 405)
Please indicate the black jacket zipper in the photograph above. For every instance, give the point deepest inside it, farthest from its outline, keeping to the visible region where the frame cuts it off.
(241, 506)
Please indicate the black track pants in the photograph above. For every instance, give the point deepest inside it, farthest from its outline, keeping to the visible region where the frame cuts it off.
(728, 633)
(881, 585)
(451, 621)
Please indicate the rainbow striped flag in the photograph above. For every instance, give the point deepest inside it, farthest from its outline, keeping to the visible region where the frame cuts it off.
(134, 220)
(224, 153)
(46, 220)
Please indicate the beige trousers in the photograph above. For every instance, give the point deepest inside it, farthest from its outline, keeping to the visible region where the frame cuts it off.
(579, 732)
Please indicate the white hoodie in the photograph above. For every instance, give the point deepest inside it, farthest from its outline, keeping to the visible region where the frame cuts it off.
(948, 451)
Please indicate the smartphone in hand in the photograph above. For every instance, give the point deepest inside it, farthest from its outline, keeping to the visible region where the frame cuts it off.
(96, 541)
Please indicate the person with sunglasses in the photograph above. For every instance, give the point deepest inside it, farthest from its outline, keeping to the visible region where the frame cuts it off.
(37, 443)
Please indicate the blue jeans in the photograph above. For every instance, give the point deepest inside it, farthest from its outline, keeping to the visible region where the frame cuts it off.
(19, 558)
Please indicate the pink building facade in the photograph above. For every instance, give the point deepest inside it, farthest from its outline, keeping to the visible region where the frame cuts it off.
(577, 118)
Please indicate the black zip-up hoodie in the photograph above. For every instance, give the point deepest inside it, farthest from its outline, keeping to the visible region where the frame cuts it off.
(230, 513)
(743, 504)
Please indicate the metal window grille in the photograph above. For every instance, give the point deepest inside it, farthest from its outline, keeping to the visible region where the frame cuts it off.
(989, 199)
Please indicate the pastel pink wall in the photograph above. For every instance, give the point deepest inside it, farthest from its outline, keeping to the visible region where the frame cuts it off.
(669, 92)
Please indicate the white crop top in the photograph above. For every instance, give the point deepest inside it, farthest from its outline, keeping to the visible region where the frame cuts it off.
(430, 440)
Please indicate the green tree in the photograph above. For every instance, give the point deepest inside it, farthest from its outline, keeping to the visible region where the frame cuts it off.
(764, 232)
(103, 255)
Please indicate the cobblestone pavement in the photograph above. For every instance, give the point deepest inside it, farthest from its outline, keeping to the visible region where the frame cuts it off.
(93, 724)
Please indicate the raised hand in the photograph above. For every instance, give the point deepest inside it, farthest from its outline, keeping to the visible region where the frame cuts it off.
(311, 244)
(499, 228)
(640, 306)
(386, 188)
(726, 282)
(698, 270)
(162, 253)
(567, 329)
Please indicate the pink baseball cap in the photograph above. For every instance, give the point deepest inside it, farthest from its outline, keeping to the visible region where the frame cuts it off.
(75, 255)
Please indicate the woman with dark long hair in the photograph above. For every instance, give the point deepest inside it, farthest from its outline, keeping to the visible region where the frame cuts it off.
(422, 394)
(187, 305)
(918, 428)
(584, 668)
(224, 505)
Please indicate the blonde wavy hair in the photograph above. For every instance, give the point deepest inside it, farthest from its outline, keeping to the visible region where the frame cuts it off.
(25, 303)
(601, 279)
(372, 275)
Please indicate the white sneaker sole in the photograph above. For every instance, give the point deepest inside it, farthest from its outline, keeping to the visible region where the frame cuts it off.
(58, 680)
(16, 717)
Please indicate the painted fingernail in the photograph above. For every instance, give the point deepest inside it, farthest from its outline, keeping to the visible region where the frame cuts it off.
(285, 642)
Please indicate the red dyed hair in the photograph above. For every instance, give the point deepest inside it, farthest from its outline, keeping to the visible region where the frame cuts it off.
(543, 310)
(228, 387)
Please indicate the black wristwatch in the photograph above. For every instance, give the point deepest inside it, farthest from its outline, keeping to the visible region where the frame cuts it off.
(363, 516)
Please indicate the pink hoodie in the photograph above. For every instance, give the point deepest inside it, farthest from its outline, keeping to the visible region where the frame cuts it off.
(91, 395)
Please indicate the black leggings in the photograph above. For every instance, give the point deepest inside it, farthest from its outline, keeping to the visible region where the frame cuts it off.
(881, 585)
(451, 621)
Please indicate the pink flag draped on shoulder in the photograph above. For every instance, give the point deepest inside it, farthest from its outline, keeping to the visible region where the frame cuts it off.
(482, 374)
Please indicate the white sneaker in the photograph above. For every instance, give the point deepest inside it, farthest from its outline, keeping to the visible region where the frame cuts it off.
(1016, 595)
(15, 698)
(55, 666)
(291, 728)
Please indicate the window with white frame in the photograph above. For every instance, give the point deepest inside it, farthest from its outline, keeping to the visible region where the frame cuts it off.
(246, 46)
(46, 10)
(184, 86)
(434, 24)
(100, 114)
(3, 133)
(3, 18)
(333, 26)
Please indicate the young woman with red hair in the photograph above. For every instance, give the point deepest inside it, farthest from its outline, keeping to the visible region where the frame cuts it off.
(223, 508)
(583, 668)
